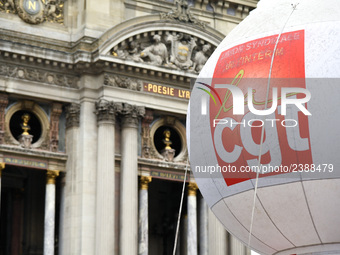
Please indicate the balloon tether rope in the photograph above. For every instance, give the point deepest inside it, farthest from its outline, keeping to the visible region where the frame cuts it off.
(262, 130)
(180, 208)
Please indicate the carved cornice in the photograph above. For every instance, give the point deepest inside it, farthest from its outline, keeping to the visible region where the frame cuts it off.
(72, 115)
(106, 111)
(19, 151)
(131, 115)
(172, 76)
(38, 75)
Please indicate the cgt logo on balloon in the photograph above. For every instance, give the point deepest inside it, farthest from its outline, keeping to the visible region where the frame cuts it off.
(246, 107)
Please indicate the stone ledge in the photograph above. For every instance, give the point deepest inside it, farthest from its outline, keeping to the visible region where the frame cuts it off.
(32, 153)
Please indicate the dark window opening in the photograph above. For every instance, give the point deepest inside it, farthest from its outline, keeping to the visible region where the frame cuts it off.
(174, 138)
(16, 121)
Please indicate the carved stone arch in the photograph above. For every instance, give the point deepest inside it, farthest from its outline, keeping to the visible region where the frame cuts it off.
(154, 41)
(145, 24)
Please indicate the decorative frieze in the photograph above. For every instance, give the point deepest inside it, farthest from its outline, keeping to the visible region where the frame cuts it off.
(174, 50)
(38, 76)
(122, 82)
(72, 115)
(107, 111)
(131, 115)
(35, 11)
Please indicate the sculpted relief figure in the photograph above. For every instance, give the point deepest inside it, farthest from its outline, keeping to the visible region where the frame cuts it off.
(157, 52)
(181, 50)
(201, 58)
(176, 50)
(130, 51)
(134, 52)
(9, 3)
(53, 10)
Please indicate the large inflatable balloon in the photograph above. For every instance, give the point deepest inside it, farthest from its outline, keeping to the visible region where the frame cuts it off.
(264, 128)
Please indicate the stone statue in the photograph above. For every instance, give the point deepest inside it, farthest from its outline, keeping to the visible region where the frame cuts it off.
(182, 13)
(201, 58)
(133, 52)
(53, 10)
(182, 10)
(168, 153)
(166, 139)
(24, 126)
(25, 139)
(9, 3)
(181, 50)
(157, 52)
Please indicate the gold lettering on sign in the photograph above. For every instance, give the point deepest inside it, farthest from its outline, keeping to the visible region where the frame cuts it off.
(32, 5)
(167, 91)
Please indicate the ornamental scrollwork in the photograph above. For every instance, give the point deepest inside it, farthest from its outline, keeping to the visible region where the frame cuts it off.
(39, 76)
(35, 11)
(122, 82)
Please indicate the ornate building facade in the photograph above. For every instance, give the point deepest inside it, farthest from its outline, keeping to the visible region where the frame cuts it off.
(93, 101)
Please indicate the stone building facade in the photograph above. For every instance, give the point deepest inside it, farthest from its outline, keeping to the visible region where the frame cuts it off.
(93, 101)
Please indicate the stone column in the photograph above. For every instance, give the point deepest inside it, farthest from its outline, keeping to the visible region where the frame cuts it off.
(105, 197)
(62, 211)
(203, 236)
(192, 219)
(217, 236)
(129, 179)
(143, 223)
(2, 167)
(50, 212)
(236, 247)
(69, 230)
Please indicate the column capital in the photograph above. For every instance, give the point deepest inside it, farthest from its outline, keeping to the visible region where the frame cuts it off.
(192, 188)
(106, 111)
(144, 182)
(72, 115)
(51, 176)
(2, 167)
(131, 115)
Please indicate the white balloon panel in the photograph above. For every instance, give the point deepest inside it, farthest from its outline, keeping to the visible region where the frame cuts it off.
(296, 212)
